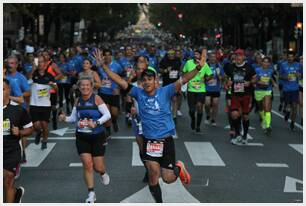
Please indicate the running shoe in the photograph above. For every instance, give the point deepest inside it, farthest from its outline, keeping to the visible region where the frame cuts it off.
(105, 179)
(233, 141)
(91, 197)
(213, 123)
(43, 145)
(179, 113)
(244, 141)
(184, 175)
(286, 116)
(19, 194)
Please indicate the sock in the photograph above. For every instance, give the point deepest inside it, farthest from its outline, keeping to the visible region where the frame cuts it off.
(177, 171)
(268, 119)
(156, 193)
(246, 125)
(236, 124)
(91, 189)
(230, 121)
(239, 124)
(199, 119)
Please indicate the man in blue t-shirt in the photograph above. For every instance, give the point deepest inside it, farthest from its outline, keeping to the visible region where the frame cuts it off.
(290, 74)
(157, 124)
(110, 91)
(213, 88)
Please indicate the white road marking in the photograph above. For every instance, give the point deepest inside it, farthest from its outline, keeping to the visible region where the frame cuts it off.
(251, 144)
(76, 164)
(60, 132)
(297, 147)
(282, 116)
(136, 161)
(171, 193)
(203, 154)
(228, 127)
(290, 185)
(35, 156)
(271, 165)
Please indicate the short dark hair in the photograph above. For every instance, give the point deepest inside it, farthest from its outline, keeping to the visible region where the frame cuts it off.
(107, 50)
(87, 59)
(6, 81)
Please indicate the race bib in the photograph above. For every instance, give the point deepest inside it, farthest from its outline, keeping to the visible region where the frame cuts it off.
(83, 126)
(42, 92)
(6, 127)
(128, 71)
(64, 79)
(212, 82)
(238, 87)
(173, 74)
(265, 79)
(292, 77)
(107, 83)
(196, 85)
(155, 149)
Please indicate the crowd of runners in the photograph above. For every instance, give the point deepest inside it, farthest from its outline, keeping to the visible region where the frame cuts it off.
(92, 85)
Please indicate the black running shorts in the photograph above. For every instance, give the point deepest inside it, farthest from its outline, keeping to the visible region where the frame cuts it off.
(11, 157)
(112, 100)
(168, 157)
(40, 113)
(90, 143)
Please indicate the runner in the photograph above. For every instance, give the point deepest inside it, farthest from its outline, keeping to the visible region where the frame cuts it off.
(263, 93)
(110, 91)
(170, 68)
(40, 104)
(213, 88)
(157, 123)
(90, 113)
(290, 74)
(16, 124)
(241, 76)
(196, 90)
(53, 69)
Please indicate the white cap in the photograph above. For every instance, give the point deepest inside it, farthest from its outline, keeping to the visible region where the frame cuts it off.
(29, 49)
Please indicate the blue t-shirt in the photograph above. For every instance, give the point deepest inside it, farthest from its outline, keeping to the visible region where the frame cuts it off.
(155, 111)
(264, 75)
(15, 89)
(279, 63)
(78, 62)
(66, 67)
(109, 85)
(214, 85)
(21, 81)
(27, 67)
(153, 62)
(290, 71)
(255, 65)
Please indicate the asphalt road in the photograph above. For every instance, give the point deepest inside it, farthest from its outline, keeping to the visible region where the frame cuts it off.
(269, 169)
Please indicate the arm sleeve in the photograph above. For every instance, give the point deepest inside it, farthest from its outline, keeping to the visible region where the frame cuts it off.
(105, 113)
(72, 117)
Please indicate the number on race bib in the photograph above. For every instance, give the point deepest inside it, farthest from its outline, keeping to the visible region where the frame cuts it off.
(155, 149)
(238, 87)
(42, 92)
(173, 74)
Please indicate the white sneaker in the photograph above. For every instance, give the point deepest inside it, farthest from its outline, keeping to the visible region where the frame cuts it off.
(91, 197)
(245, 141)
(206, 121)
(238, 139)
(179, 113)
(105, 179)
(233, 141)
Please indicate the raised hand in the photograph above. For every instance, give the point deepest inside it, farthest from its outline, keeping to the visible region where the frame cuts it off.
(98, 55)
(203, 57)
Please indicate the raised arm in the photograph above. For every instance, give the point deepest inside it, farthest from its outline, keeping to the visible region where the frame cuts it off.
(188, 76)
(112, 75)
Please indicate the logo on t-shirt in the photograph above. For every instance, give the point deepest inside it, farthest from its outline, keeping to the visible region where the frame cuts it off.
(152, 105)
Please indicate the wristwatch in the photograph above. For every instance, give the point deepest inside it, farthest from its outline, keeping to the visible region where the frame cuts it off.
(98, 123)
(198, 67)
